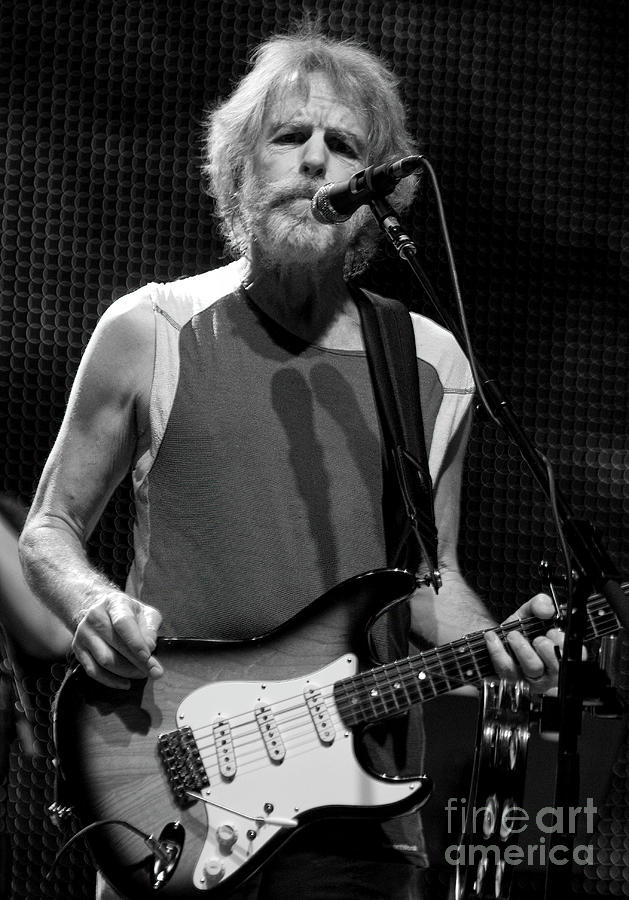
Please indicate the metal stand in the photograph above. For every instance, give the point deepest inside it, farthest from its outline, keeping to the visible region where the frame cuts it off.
(593, 567)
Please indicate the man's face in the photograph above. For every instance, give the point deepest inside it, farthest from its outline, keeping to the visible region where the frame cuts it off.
(304, 145)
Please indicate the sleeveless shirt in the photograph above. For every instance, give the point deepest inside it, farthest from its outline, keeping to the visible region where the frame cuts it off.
(262, 485)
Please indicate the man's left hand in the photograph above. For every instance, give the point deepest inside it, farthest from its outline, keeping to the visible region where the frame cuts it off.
(536, 661)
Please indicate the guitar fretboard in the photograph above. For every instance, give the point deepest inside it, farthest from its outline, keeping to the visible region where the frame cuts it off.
(393, 688)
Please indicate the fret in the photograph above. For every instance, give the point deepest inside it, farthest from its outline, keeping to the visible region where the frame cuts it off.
(439, 654)
(413, 686)
(388, 696)
(600, 620)
(402, 684)
(362, 701)
(429, 683)
(484, 664)
(532, 628)
(526, 626)
(473, 671)
(349, 702)
(448, 658)
(460, 657)
(373, 692)
(421, 676)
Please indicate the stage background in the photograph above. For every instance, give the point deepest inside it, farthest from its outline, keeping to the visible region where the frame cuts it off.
(522, 109)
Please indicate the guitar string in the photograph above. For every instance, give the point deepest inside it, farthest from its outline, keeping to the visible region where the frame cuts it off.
(289, 728)
(297, 739)
(300, 740)
(262, 762)
(374, 704)
(281, 709)
(295, 746)
(298, 732)
(303, 720)
(246, 761)
(298, 699)
(285, 723)
(448, 658)
(283, 719)
(382, 695)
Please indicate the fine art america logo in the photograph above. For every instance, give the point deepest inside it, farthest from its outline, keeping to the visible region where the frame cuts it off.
(480, 823)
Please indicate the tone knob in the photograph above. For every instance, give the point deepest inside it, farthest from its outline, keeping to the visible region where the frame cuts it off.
(226, 835)
(213, 871)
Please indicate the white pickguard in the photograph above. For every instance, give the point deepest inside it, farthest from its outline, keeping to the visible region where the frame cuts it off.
(311, 774)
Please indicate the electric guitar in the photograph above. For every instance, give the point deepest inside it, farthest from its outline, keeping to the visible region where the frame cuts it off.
(217, 763)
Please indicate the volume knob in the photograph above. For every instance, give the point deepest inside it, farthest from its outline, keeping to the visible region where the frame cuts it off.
(213, 872)
(226, 835)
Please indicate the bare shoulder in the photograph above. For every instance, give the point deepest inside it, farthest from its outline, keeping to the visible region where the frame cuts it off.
(119, 356)
(128, 325)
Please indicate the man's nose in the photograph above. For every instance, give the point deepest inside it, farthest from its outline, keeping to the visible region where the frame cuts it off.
(314, 158)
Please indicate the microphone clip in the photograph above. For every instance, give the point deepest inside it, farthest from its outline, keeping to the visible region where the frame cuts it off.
(389, 223)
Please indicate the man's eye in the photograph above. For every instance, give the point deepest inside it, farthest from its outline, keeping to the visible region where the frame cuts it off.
(290, 137)
(338, 145)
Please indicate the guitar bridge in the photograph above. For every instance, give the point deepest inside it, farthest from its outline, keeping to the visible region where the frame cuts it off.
(182, 761)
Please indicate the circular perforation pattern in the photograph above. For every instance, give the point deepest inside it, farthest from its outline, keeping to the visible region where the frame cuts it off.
(522, 109)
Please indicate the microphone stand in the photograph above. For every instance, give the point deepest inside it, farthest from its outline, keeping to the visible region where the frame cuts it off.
(593, 566)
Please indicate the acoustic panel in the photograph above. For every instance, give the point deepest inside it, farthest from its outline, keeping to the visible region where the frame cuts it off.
(522, 108)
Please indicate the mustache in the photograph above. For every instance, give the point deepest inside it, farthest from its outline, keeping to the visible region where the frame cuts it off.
(305, 189)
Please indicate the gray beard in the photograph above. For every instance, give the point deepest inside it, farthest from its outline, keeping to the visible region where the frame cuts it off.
(285, 233)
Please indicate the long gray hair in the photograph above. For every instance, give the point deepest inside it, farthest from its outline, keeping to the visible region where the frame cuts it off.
(234, 128)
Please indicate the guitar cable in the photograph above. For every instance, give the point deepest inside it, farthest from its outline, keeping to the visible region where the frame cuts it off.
(161, 849)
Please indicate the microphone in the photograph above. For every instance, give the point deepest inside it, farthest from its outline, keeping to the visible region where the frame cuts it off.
(337, 202)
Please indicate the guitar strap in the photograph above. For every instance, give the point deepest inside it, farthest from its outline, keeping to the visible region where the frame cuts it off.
(409, 519)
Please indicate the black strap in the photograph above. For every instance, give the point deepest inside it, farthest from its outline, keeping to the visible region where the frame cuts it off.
(407, 489)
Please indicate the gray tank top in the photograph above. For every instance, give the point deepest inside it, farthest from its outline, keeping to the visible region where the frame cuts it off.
(266, 490)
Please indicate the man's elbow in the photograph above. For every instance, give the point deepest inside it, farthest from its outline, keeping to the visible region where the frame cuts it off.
(35, 548)
(44, 532)
(27, 546)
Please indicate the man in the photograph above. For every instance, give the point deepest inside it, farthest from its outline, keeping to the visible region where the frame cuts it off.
(241, 402)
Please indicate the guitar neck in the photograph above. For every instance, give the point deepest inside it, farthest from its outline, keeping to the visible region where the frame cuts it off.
(393, 688)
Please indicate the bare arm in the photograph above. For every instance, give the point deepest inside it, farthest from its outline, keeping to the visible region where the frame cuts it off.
(103, 432)
(458, 610)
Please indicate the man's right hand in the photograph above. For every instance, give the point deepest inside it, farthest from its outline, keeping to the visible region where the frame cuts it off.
(115, 639)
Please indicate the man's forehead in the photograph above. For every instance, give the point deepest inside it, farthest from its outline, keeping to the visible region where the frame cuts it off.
(314, 100)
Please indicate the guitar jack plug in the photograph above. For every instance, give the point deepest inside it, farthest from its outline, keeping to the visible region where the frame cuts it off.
(166, 850)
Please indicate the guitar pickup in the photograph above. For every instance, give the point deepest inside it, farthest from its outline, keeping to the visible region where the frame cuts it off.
(225, 752)
(320, 715)
(270, 733)
(182, 761)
